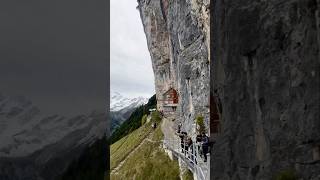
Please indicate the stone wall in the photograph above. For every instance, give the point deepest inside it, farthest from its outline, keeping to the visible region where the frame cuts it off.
(265, 71)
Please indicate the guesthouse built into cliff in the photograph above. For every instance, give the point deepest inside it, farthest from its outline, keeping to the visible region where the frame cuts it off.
(169, 102)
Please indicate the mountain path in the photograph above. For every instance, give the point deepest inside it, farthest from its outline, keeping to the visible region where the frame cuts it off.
(114, 171)
(168, 131)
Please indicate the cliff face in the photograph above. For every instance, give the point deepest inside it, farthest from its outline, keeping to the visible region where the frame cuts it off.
(265, 72)
(178, 37)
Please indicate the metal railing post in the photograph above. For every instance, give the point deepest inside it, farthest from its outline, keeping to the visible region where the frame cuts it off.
(198, 168)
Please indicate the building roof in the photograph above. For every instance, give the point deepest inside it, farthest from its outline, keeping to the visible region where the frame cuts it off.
(170, 89)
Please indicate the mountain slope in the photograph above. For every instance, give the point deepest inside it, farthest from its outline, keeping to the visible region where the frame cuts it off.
(38, 146)
(140, 155)
(121, 108)
(134, 121)
(91, 164)
(119, 102)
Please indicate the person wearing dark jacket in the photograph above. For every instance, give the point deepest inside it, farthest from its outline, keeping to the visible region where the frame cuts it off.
(179, 128)
(186, 146)
(182, 137)
(205, 146)
(190, 146)
(198, 143)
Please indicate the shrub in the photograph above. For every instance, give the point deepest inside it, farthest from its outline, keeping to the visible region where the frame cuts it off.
(287, 175)
(144, 119)
(155, 116)
(200, 124)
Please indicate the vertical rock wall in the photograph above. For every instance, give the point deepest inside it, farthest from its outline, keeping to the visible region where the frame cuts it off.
(178, 36)
(265, 71)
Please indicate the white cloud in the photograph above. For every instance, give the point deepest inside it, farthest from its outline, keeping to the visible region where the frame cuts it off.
(130, 67)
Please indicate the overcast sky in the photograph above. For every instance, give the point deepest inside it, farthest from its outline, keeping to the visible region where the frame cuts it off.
(55, 53)
(131, 71)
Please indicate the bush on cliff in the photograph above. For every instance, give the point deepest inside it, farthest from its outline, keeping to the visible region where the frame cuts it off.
(200, 124)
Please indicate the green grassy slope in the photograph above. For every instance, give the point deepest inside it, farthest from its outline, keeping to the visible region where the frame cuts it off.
(120, 149)
(134, 121)
(149, 161)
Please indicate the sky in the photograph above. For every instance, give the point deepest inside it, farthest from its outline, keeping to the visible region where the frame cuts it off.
(130, 63)
(55, 54)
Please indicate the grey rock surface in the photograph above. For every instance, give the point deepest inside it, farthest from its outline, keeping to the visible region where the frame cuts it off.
(177, 34)
(265, 71)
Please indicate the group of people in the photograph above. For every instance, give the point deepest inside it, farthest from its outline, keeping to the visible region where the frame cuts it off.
(202, 143)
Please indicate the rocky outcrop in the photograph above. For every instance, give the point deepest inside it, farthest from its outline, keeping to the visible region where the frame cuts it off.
(178, 37)
(265, 71)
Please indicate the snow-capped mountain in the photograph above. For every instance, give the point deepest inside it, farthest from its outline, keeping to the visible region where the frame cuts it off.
(119, 102)
(28, 136)
(24, 129)
(121, 108)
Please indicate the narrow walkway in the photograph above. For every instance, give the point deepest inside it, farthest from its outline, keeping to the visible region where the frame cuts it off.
(193, 160)
(167, 127)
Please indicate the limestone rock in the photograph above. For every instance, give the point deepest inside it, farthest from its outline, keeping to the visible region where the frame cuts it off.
(265, 71)
(178, 37)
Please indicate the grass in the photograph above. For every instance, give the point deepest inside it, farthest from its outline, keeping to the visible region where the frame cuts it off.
(120, 149)
(134, 121)
(287, 175)
(149, 162)
(144, 119)
(187, 175)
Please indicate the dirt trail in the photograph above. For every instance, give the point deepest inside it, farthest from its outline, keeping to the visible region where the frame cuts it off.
(167, 127)
(114, 171)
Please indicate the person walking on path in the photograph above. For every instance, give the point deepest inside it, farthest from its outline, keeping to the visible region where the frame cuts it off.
(182, 136)
(198, 144)
(185, 145)
(179, 128)
(205, 145)
(190, 147)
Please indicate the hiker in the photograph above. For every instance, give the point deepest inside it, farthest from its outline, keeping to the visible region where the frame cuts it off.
(179, 128)
(154, 125)
(189, 145)
(182, 138)
(161, 113)
(205, 145)
(198, 142)
(186, 146)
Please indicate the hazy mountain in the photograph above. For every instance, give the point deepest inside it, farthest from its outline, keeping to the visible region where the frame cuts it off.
(121, 108)
(33, 144)
(119, 102)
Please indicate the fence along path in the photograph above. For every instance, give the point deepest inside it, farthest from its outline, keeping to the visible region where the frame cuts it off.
(191, 158)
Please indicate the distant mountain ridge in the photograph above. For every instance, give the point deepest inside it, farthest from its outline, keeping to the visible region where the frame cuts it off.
(119, 102)
(134, 121)
(121, 108)
(30, 137)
